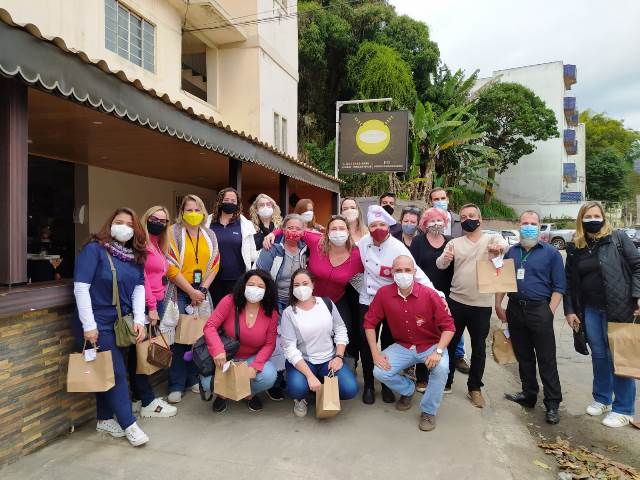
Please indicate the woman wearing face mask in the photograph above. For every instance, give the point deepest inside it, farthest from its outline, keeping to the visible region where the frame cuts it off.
(409, 219)
(314, 339)
(254, 297)
(193, 264)
(351, 212)
(154, 223)
(603, 286)
(304, 208)
(121, 243)
(235, 241)
(425, 249)
(265, 216)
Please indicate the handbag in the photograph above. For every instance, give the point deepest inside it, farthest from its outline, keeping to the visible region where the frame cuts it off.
(125, 335)
(200, 351)
(580, 340)
(159, 355)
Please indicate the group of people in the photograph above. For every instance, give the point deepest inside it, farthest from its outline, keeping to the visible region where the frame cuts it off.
(306, 300)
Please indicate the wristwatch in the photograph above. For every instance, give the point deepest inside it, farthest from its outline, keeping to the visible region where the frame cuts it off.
(439, 351)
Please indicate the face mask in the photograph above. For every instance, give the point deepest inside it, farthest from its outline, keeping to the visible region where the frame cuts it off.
(122, 233)
(228, 207)
(403, 280)
(435, 227)
(441, 204)
(388, 209)
(155, 228)
(592, 225)
(292, 235)
(193, 218)
(470, 225)
(253, 294)
(265, 212)
(303, 292)
(351, 215)
(529, 232)
(380, 234)
(409, 229)
(338, 238)
(307, 216)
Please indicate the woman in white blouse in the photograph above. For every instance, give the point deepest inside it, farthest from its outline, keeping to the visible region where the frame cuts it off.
(314, 339)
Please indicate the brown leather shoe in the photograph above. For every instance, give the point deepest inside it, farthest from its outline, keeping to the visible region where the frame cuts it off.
(476, 398)
(404, 403)
(427, 422)
(462, 365)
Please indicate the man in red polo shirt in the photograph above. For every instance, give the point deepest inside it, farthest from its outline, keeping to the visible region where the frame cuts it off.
(422, 328)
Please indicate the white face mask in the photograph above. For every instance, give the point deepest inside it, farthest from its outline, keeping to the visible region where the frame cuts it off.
(265, 212)
(253, 294)
(338, 238)
(303, 292)
(122, 233)
(403, 280)
(307, 216)
(351, 215)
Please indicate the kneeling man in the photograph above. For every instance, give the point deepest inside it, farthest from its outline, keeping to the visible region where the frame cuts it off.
(422, 327)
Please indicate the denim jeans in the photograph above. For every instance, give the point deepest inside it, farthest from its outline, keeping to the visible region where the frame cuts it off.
(607, 387)
(182, 374)
(264, 380)
(298, 387)
(460, 348)
(401, 358)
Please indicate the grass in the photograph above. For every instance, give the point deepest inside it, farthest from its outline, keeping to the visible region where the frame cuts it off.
(495, 210)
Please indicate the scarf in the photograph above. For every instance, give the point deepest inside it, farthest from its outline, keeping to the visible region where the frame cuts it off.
(119, 251)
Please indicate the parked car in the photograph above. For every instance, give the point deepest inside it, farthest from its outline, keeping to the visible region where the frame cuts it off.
(631, 232)
(511, 236)
(558, 238)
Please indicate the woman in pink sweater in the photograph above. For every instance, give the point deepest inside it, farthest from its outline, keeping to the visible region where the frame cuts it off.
(254, 301)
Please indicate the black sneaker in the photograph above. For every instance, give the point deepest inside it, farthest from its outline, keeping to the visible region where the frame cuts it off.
(254, 404)
(276, 394)
(219, 404)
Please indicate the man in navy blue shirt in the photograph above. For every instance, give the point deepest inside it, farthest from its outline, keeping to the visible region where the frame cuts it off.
(530, 311)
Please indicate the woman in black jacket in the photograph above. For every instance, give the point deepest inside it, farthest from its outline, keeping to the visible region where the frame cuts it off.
(603, 285)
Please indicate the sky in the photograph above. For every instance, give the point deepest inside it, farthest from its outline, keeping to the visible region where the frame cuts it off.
(601, 37)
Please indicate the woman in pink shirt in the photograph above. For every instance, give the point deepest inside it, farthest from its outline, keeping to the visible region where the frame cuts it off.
(255, 298)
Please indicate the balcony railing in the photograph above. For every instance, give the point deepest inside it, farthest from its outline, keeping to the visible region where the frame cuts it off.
(573, 120)
(570, 76)
(573, 197)
(570, 172)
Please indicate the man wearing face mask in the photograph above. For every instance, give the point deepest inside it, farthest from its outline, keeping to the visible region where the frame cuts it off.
(378, 250)
(422, 328)
(530, 311)
(388, 201)
(470, 308)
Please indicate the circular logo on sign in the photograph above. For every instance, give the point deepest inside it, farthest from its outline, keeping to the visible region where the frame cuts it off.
(373, 137)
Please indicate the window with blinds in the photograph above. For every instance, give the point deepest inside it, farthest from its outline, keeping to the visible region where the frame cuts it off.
(128, 35)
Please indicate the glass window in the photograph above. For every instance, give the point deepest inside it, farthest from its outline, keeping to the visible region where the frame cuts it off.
(276, 130)
(129, 36)
(284, 135)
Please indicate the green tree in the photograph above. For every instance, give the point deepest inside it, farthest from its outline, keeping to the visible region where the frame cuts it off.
(446, 89)
(514, 118)
(607, 174)
(603, 132)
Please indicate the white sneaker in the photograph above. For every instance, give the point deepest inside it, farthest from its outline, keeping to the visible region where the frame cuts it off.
(300, 408)
(111, 427)
(175, 397)
(596, 409)
(136, 406)
(158, 408)
(615, 420)
(195, 388)
(135, 435)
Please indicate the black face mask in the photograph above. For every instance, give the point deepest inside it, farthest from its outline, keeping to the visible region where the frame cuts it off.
(592, 227)
(228, 207)
(388, 209)
(155, 228)
(470, 225)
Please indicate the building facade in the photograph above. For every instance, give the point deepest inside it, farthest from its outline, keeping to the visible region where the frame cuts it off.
(552, 179)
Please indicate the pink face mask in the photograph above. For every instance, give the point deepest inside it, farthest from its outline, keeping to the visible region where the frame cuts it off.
(380, 234)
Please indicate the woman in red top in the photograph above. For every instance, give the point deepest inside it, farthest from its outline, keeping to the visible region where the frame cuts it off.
(255, 297)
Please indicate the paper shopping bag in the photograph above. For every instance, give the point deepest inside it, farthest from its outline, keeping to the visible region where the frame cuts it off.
(624, 343)
(190, 329)
(502, 349)
(328, 398)
(94, 376)
(492, 280)
(234, 382)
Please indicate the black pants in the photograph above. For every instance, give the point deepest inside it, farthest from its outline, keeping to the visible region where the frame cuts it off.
(365, 352)
(219, 289)
(477, 321)
(532, 336)
(349, 309)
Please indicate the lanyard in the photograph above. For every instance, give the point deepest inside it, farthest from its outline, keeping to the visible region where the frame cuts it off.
(523, 260)
(196, 245)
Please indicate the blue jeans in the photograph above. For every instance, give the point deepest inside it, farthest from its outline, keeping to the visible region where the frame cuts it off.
(298, 387)
(401, 358)
(460, 348)
(264, 380)
(607, 386)
(182, 374)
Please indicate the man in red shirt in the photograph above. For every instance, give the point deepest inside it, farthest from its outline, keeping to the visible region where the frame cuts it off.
(422, 328)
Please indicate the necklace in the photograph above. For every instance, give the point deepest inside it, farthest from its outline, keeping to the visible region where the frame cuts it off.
(591, 246)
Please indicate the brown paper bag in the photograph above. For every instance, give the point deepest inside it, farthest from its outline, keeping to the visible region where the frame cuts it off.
(190, 329)
(328, 398)
(143, 366)
(624, 343)
(234, 384)
(502, 349)
(94, 376)
(491, 280)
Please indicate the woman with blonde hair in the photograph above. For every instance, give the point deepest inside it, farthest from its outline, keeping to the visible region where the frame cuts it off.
(603, 286)
(351, 212)
(193, 264)
(265, 215)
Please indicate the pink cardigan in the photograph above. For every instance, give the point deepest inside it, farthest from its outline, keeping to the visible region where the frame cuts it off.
(155, 267)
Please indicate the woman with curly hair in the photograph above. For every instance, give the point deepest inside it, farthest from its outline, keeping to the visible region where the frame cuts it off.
(265, 215)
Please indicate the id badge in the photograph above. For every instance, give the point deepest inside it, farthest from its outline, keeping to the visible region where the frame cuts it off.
(520, 274)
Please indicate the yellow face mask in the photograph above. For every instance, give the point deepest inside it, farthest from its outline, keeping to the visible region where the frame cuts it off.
(193, 218)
